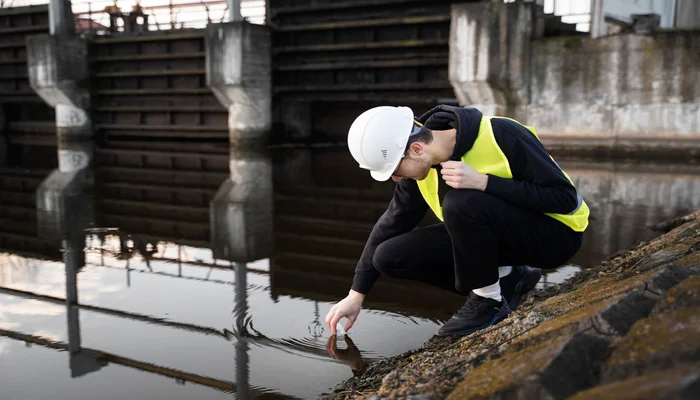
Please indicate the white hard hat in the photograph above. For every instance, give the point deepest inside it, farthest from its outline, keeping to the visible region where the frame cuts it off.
(377, 139)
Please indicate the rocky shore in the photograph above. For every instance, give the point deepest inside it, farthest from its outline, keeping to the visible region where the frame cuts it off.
(629, 326)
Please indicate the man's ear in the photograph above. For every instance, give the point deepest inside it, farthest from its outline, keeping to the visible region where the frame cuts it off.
(416, 148)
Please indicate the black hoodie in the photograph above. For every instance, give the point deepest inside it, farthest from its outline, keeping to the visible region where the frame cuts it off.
(538, 183)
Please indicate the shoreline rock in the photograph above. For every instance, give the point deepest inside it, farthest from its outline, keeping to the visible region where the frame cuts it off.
(599, 328)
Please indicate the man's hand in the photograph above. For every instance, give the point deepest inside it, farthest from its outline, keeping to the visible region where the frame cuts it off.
(349, 308)
(461, 176)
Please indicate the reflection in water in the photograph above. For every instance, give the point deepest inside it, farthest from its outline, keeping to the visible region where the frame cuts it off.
(173, 276)
(350, 355)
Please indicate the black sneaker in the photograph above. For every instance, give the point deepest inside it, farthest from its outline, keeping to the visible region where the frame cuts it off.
(518, 283)
(477, 313)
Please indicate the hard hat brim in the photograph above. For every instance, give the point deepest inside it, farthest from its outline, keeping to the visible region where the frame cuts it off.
(382, 176)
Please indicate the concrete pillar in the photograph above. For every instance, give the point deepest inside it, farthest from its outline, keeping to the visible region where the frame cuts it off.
(238, 72)
(687, 14)
(234, 10)
(240, 313)
(58, 73)
(61, 18)
(490, 48)
(64, 202)
(241, 213)
(80, 362)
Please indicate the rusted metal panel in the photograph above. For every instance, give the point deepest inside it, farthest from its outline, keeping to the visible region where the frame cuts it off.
(154, 85)
(361, 51)
(29, 120)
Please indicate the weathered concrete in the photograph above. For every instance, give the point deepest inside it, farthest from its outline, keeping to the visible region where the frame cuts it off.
(64, 200)
(686, 294)
(490, 51)
(609, 318)
(61, 18)
(618, 86)
(687, 14)
(626, 92)
(241, 213)
(550, 370)
(238, 72)
(681, 383)
(59, 73)
(656, 343)
(651, 283)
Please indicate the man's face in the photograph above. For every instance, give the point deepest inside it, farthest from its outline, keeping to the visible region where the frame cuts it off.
(415, 164)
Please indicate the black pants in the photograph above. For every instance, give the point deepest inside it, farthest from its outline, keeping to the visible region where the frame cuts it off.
(480, 233)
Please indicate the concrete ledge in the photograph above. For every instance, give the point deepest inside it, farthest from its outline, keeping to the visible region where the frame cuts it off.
(672, 147)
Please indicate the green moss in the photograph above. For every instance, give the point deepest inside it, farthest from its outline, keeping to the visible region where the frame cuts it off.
(650, 386)
(690, 259)
(565, 325)
(685, 294)
(590, 292)
(509, 371)
(662, 336)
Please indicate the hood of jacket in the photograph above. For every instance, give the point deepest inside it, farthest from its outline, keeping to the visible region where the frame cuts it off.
(465, 120)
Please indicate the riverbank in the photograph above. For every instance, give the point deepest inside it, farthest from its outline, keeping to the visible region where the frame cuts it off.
(633, 319)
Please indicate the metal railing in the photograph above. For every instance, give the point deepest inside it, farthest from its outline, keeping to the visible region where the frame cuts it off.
(102, 16)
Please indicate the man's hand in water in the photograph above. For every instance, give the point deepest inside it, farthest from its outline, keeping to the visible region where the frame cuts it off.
(349, 308)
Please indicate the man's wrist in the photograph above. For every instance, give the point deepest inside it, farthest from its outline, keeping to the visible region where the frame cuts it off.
(356, 295)
(484, 182)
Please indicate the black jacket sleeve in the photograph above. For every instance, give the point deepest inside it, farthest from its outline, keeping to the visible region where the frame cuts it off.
(406, 210)
(538, 183)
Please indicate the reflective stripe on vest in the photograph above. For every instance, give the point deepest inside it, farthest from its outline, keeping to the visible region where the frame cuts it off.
(486, 157)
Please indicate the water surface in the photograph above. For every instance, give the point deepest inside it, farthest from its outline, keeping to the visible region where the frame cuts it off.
(142, 304)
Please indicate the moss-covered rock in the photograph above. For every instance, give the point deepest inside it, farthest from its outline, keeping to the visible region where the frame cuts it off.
(655, 281)
(609, 317)
(656, 343)
(682, 382)
(685, 294)
(554, 369)
(560, 340)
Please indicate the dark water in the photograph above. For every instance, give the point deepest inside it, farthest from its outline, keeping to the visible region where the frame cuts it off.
(162, 314)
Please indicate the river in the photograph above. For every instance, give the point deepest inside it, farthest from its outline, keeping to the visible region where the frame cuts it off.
(155, 310)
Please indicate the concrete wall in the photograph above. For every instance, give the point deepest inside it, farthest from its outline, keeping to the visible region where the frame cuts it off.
(625, 85)
(687, 14)
(622, 92)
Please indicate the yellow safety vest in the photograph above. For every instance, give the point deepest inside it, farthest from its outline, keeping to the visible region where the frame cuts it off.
(486, 157)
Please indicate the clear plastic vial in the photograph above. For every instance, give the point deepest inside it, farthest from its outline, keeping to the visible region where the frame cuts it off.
(340, 332)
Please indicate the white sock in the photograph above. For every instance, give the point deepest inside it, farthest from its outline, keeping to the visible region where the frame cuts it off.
(490, 291)
(504, 271)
